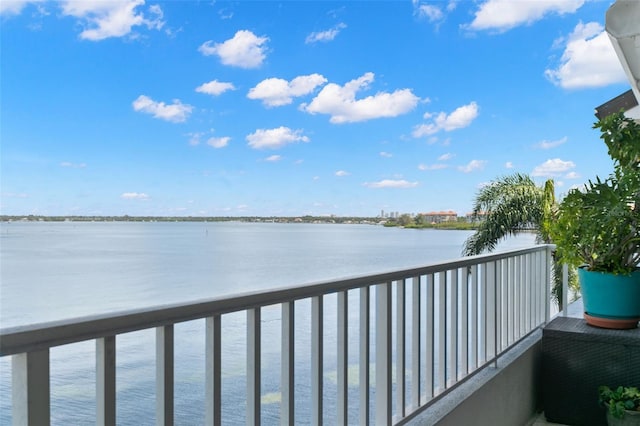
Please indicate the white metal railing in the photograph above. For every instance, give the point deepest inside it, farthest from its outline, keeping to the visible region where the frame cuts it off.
(462, 315)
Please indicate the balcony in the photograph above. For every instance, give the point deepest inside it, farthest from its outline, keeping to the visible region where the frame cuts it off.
(450, 343)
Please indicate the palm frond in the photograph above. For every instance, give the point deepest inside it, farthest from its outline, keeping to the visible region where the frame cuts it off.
(507, 205)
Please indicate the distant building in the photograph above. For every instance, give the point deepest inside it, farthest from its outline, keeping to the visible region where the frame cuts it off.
(477, 218)
(439, 217)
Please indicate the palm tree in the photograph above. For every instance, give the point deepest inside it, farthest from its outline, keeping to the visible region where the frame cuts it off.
(512, 204)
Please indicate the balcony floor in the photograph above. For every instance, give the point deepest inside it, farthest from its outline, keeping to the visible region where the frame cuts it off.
(541, 421)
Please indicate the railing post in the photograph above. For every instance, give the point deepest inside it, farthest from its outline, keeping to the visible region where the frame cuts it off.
(491, 344)
(415, 343)
(541, 282)
(523, 297)
(400, 348)
(533, 290)
(287, 404)
(254, 386)
(316, 359)
(213, 369)
(383, 354)
(512, 320)
(30, 387)
(464, 322)
(548, 284)
(473, 314)
(499, 307)
(364, 355)
(565, 290)
(429, 338)
(164, 375)
(453, 328)
(343, 361)
(483, 332)
(441, 374)
(106, 381)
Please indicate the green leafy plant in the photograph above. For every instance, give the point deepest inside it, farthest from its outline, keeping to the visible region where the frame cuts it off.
(599, 225)
(620, 399)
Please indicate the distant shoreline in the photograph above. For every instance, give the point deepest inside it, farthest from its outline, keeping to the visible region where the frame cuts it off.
(127, 218)
(388, 222)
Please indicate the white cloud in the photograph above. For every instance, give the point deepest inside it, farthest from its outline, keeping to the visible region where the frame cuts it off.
(327, 35)
(508, 165)
(434, 139)
(275, 138)
(461, 117)
(176, 112)
(14, 7)
(73, 165)
(278, 92)
(589, 60)
(134, 196)
(244, 50)
(341, 104)
(434, 12)
(215, 87)
(431, 12)
(432, 166)
(273, 158)
(391, 183)
(219, 142)
(551, 144)
(105, 19)
(341, 173)
(386, 154)
(225, 13)
(552, 168)
(572, 175)
(445, 157)
(194, 138)
(502, 15)
(472, 166)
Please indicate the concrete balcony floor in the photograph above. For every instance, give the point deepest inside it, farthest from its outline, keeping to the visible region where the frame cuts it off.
(541, 421)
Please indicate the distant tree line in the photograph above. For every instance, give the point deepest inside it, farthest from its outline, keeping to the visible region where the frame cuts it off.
(405, 220)
(127, 218)
(420, 221)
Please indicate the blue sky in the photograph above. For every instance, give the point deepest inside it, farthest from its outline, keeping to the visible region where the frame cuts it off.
(289, 108)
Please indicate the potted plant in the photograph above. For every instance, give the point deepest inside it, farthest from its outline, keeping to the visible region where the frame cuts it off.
(597, 229)
(622, 403)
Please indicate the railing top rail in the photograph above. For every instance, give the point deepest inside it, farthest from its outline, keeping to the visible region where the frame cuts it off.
(32, 337)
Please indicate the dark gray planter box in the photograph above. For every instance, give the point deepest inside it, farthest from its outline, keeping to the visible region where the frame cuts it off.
(576, 359)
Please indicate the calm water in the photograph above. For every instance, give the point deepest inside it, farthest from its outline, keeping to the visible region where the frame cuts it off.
(50, 271)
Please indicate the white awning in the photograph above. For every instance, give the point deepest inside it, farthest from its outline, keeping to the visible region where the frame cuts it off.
(623, 27)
